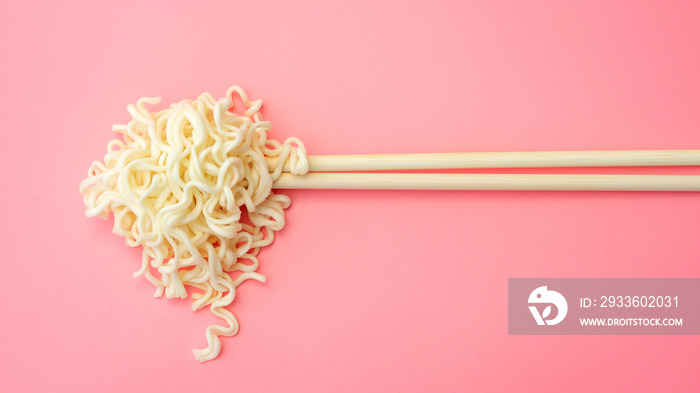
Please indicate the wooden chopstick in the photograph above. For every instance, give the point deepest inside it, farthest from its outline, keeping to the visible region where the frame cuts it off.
(604, 158)
(439, 181)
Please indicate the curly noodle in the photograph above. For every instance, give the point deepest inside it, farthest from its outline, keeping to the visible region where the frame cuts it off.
(177, 184)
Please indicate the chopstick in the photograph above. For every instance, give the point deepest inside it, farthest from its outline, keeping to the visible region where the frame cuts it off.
(604, 158)
(440, 181)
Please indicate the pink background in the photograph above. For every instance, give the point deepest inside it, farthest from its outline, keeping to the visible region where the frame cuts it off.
(367, 290)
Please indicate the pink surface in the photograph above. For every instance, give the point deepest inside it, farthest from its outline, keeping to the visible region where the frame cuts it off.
(367, 290)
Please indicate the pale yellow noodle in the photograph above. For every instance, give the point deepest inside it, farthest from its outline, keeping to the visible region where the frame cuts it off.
(179, 185)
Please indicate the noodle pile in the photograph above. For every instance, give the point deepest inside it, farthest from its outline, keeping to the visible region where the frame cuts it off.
(190, 184)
